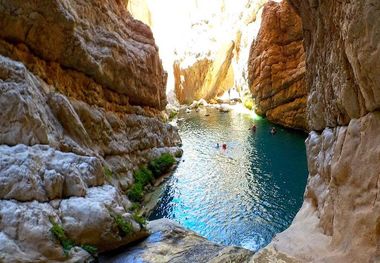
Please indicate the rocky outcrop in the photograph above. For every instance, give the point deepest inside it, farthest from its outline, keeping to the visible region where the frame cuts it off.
(207, 78)
(81, 93)
(339, 220)
(70, 34)
(277, 67)
(188, 247)
(219, 62)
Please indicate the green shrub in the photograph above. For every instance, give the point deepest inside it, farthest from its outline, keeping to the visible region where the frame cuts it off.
(124, 226)
(90, 249)
(108, 173)
(135, 207)
(162, 164)
(135, 194)
(143, 176)
(59, 233)
(248, 103)
(172, 115)
(139, 219)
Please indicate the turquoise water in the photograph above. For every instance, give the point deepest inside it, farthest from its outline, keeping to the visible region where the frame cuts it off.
(241, 196)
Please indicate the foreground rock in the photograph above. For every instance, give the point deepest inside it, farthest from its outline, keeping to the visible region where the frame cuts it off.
(277, 67)
(169, 242)
(81, 94)
(339, 220)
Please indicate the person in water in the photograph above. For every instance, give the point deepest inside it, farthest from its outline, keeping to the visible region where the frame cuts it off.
(253, 128)
(217, 145)
(224, 146)
(273, 131)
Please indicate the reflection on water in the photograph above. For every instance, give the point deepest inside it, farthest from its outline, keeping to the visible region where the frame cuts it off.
(241, 196)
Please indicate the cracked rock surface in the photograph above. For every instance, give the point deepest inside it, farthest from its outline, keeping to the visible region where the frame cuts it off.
(81, 89)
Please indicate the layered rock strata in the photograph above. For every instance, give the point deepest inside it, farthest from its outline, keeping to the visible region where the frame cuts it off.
(277, 67)
(81, 91)
(339, 220)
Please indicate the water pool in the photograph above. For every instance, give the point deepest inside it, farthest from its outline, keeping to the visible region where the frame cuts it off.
(240, 196)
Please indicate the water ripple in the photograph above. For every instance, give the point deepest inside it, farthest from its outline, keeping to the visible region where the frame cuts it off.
(240, 196)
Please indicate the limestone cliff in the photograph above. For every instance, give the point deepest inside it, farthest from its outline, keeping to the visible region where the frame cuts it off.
(209, 52)
(277, 67)
(218, 64)
(339, 220)
(81, 91)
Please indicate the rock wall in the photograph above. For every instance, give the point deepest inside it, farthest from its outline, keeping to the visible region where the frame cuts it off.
(222, 37)
(277, 67)
(340, 217)
(81, 91)
(209, 54)
(207, 78)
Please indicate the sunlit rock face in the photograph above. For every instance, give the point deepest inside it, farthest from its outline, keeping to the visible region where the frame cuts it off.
(277, 67)
(340, 217)
(81, 89)
(187, 248)
(209, 54)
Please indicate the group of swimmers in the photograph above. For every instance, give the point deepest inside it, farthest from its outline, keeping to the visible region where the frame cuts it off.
(224, 146)
(273, 131)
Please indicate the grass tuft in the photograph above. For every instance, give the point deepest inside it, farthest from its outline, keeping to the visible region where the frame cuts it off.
(107, 173)
(90, 249)
(143, 176)
(136, 193)
(125, 227)
(59, 233)
(248, 103)
(162, 164)
(139, 219)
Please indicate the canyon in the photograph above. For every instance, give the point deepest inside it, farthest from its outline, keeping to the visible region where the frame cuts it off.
(82, 94)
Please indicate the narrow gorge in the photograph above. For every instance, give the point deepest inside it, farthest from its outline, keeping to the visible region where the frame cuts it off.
(189, 131)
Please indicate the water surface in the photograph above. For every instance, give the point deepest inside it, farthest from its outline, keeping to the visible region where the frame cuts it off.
(241, 196)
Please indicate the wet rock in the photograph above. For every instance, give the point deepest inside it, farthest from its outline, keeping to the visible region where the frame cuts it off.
(169, 242)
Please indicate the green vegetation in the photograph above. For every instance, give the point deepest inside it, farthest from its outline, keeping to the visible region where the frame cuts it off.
(135, 207)
(172, 115)
(143, 176)
(59, 233)
(66, 243)
(136, 193)
(90, 249)
(162, 164)
(108, 173)
(139, 219)
(248, 103)
(124, 226)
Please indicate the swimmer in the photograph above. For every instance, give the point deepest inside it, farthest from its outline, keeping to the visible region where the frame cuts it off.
(224, 146)
(253, 128)
(273, 131)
